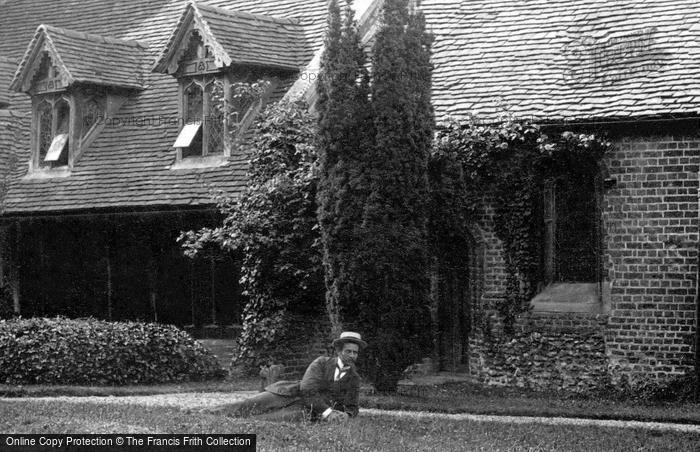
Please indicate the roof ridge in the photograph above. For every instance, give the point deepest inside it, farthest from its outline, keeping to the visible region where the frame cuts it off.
(208, 21)
(50, 37)
(91, 36)
(233, 12)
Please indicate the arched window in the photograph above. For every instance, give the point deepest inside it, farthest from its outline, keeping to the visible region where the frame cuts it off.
(44, 128)
(53, 131)
(203, 131)
(214, 102)
(191, 142)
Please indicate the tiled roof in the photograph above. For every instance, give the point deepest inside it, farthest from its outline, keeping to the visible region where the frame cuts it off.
(548, 60)
(84, 58)
(128, 164)
(7, 69)
(242, 38)
(553, 60)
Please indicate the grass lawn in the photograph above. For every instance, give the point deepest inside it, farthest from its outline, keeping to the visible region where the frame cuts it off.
(467, 398)
(364, 433)
(448, 398)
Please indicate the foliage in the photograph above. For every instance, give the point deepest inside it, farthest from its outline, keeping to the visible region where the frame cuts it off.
(344, 139)
(506, 165)
(241, 96)
(392, 262)
(88, 351)
(273, 228)
(679, 388)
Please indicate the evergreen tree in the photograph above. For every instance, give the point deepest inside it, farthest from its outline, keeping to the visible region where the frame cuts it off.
(394, 309)
(344, 138)
(373, 186)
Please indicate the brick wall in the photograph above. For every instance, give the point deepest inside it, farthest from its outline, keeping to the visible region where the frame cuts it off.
(308, 338)
(493, 273)
(650, 224)
(650, 219)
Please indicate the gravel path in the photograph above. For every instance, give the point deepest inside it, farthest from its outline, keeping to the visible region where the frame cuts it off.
(659, 426)
(182, 400)
(195, 400)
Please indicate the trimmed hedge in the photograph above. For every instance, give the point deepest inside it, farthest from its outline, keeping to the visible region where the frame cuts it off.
(89, 351)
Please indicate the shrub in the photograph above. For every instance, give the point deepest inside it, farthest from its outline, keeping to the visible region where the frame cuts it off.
(89, 351)
(681, 388)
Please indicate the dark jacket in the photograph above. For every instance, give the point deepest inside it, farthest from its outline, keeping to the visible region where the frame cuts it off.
(319, 391)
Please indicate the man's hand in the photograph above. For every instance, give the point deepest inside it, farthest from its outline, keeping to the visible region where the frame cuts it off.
(337, 416)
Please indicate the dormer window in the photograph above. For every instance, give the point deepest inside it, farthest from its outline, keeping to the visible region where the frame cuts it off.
(218, 57)
(53, 130)
(72, 86)
(213, 109)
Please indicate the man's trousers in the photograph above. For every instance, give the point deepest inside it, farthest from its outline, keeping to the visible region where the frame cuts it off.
(265, 406)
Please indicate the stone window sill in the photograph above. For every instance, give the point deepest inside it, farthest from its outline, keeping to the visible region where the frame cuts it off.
(573, 297)
(48, 173)
(200, 162)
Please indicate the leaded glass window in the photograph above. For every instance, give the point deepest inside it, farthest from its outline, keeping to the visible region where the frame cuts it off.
(53, 130)
(214, 117)
(203, 133)
(45, 128)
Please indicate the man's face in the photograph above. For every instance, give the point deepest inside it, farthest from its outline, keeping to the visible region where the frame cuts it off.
(348, 354)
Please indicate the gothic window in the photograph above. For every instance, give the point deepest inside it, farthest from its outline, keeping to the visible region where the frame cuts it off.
(53, 128)
(62, 119)
(216, 103)
(203, 132)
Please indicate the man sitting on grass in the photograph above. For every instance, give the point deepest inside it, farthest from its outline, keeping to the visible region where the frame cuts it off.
(329, 390)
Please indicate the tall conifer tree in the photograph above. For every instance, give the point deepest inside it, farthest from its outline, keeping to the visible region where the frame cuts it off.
(395, 308)
(345, 134)
(373, 188)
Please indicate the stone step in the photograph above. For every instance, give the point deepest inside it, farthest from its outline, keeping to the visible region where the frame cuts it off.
(223, 349)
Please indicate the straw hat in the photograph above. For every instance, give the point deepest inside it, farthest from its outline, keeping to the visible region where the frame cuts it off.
(352, 337)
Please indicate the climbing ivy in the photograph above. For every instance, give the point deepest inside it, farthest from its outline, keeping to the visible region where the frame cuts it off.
(273, 228)
(504, 165)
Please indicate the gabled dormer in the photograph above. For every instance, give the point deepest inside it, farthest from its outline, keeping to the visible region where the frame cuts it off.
(213, 53)
(75, 81)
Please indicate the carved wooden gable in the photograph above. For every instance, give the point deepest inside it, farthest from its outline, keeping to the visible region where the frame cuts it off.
(197, 58)
(48, 76)
(57, 58)
(207, 39)
(192, 48)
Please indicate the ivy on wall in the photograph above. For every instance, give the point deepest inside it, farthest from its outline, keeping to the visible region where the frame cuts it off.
(505, 164)
(273, 228)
